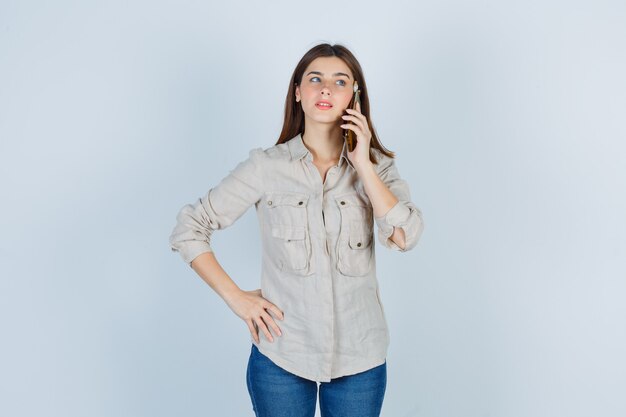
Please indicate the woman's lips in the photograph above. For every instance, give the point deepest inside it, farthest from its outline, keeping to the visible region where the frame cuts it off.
(323, 107)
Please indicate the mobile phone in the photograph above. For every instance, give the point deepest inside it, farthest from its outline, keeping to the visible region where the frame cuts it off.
(348, 135)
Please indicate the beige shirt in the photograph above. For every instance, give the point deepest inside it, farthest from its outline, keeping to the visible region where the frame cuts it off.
(318, 253)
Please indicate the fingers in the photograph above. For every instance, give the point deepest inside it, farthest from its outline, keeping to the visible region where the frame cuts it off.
(264, 328)
(357, 113)
(276, 311)
(253, 331)
(260, 323)
(354, 119)
(359, 121)
(268, 319)
(355, 128)
(261, 319)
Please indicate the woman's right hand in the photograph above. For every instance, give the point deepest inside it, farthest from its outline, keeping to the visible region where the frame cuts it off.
(251, 307)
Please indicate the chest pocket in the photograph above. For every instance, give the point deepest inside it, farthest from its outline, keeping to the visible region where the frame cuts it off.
(355, 243)
(290, 242)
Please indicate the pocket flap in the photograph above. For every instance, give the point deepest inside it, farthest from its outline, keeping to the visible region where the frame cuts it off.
(352, 199)
(281, 198)
(359, 238)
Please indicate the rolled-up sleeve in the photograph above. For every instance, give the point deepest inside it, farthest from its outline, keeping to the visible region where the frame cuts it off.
(219, 208)
(403, 214)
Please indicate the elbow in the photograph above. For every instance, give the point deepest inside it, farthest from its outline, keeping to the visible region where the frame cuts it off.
(398, 237)
(190, 240)
(412, 232)
(406, 234)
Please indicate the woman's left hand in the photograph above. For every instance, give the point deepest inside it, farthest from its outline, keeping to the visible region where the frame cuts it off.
(360, 155)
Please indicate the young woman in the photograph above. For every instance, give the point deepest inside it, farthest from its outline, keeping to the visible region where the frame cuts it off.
(319, 308)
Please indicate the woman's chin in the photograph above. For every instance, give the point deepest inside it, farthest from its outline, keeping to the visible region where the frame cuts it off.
(326, 119)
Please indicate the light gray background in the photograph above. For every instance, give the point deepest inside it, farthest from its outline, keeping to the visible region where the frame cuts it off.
(508, 122)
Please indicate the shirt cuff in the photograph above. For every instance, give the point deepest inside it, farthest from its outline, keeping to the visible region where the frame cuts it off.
(192, 249)
(396, 216)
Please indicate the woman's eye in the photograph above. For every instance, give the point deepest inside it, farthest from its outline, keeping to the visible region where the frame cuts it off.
(342, 82)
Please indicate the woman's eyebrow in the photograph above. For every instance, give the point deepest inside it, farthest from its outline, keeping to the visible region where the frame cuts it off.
(335, 74)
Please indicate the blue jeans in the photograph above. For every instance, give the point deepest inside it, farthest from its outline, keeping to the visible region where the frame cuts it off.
(276, 392)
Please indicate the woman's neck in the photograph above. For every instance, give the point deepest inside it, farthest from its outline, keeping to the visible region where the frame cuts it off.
(324, 142)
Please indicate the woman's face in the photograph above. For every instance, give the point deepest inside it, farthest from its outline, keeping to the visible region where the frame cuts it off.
(328, 80)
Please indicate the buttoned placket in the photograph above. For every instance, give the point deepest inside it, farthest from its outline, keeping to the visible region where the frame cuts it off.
(320, 201)
(321, 186)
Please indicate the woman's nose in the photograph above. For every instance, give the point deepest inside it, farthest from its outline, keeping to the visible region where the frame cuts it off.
(326, 89)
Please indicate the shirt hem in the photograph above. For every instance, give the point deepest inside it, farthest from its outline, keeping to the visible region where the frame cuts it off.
(287, 367)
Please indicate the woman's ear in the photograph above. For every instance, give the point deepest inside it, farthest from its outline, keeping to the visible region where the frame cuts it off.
(297, 93)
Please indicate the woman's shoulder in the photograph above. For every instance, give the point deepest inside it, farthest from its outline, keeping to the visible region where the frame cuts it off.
(271, 153)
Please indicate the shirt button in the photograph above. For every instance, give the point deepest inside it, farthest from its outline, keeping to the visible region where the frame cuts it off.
(343, 203)
(269, 202)
(359, 244)
(300, 203)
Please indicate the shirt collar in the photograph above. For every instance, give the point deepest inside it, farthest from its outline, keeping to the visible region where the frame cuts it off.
(298, 150)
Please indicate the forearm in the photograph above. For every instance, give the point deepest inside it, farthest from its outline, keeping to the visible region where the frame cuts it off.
(398, 237)
(211, 272)
(381, 197)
